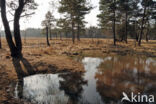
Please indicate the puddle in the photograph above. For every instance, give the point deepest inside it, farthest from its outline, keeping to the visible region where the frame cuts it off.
(103, 82)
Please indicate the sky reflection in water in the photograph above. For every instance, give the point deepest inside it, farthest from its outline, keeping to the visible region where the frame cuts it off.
(103, 82)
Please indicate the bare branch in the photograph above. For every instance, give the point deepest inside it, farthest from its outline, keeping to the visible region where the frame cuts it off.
(24, 16)
(10, 13)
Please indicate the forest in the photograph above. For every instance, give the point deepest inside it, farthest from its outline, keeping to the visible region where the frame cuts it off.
(77, 51)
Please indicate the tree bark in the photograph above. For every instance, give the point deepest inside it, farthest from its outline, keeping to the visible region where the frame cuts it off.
(47, 36)
(17, 34)
(8, 35)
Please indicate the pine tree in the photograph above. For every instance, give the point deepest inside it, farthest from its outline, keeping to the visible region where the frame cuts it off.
(67, 7)
(75, 10)
(63, 24)
(47, 24)
(127, 7)
(83, 8)
(108, 15)
(145, 5)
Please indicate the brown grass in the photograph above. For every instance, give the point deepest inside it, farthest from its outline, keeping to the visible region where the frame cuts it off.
(57, 57)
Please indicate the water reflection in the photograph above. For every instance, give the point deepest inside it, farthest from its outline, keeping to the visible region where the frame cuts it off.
(72, 86)
(90, 94)
(43, 89)
(125, 74)
(103, 82)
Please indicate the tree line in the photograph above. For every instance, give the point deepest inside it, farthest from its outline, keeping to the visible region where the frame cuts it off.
(73, 12)
(132, 17)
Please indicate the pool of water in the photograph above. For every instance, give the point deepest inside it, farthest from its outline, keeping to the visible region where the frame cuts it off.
(103, 82)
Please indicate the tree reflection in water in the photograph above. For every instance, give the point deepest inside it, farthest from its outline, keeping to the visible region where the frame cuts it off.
(72, 86)
(51, 88)
(102, 83)
(128, 74)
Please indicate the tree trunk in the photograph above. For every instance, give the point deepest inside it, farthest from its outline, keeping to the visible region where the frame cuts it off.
(48, 44)
(7, 29)
(147, 37)
(142, 27)
(126, 27)
(135, 30)
(137, 37)
(73, 33)
(17, 34)
(147, 33)
(78, 32)
(114, 34)
(16, 49)
(50, 34)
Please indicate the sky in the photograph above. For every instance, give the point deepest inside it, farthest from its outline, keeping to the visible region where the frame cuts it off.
(43, 7)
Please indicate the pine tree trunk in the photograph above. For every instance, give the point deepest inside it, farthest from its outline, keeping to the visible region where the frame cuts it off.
(114, 34)
(126, 22)
(48, 44)
(137, 38)
(135, 30)
(8, 35)
(147, 37)
(73, 33)
(142, 27)
(17, 34)
(78, 32)
(147, 34)
(50, 34)
(114, 28)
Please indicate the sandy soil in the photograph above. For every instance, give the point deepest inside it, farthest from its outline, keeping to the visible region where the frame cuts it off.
(58, 58)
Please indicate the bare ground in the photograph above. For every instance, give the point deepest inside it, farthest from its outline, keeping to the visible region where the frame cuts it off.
(58, 58)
